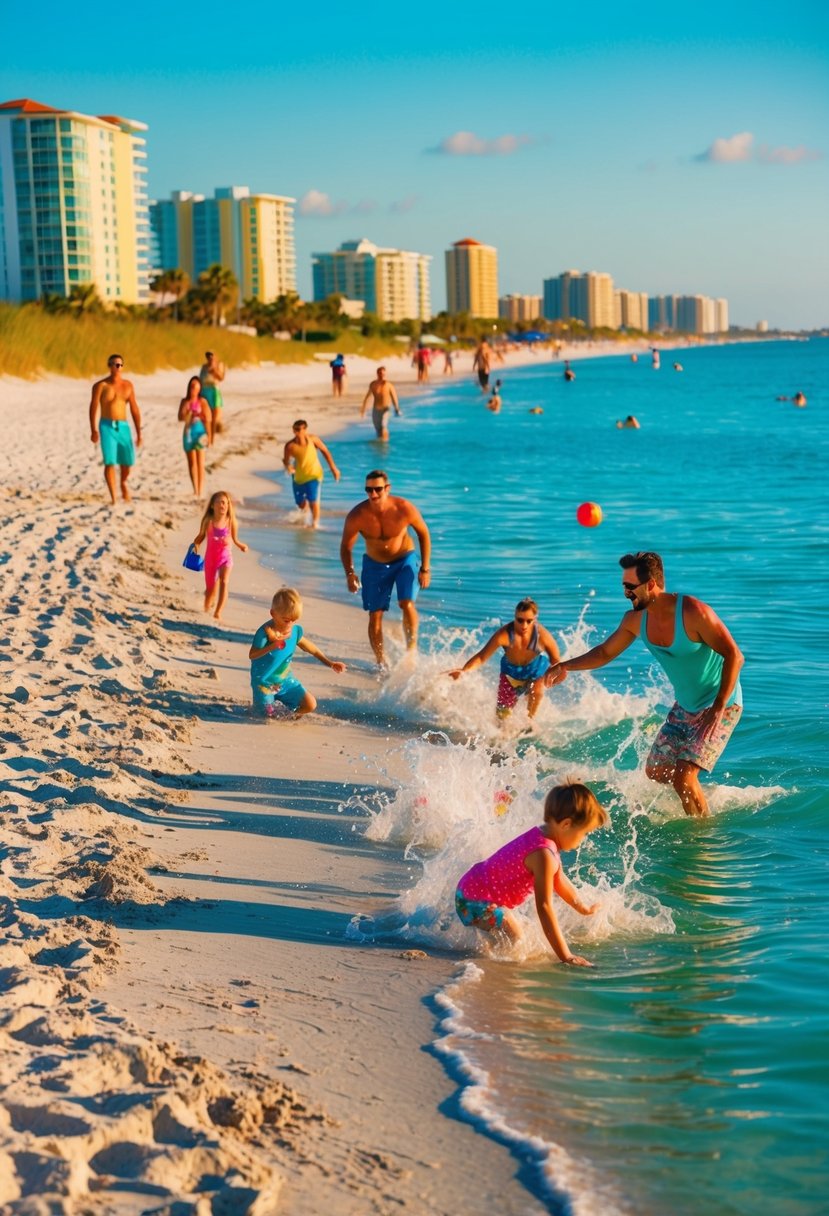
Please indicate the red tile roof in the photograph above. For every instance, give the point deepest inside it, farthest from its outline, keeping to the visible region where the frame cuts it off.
(27, 106)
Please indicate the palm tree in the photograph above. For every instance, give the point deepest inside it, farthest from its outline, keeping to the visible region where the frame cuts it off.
(83, 298)
(218, 287)
(171, 283)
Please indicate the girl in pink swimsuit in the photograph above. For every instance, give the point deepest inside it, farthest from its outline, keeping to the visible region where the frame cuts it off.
(489, 891)
(218, 527)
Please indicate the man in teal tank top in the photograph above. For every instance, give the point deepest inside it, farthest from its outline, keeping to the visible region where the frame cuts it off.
(699, 657)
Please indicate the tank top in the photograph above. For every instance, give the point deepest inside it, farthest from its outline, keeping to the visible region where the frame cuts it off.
(693, 668)
(503, 878)
(307, 465)
(525, 671)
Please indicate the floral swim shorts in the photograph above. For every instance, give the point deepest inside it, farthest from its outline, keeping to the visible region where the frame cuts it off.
(679, 739)
(478, 912)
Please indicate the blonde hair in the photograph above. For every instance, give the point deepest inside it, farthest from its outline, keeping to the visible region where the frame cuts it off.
(575, 802)
(207, 518)
(289, 601)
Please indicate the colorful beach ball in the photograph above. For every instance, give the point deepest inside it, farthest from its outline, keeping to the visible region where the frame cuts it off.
(589, 514)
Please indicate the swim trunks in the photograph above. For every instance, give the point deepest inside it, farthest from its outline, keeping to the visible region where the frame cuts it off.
(306, 492)
(478, 912)
(378, 578)
(213, 396)
(378, 417)
(679, 738)
(483, 378)
(289, 692)
(116, 442)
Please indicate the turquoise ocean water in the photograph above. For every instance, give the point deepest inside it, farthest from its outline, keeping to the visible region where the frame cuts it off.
(688, 1072)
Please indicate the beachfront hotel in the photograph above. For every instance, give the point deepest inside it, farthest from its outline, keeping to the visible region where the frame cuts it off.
(698, 315)
(590, 298)
(515, 308)
(392, 283)
(472, 279)
(73, 204)
(251, 235)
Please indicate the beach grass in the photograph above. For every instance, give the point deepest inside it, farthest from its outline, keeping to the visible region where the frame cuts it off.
(34, 342)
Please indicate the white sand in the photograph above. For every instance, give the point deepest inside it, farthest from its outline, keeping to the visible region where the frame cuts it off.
(183, 1025)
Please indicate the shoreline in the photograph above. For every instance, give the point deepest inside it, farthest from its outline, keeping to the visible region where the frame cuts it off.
(179, 1005)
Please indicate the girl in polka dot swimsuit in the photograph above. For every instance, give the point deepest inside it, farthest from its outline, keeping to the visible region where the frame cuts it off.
(489, 891)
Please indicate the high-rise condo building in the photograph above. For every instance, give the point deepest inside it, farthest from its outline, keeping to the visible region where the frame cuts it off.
(582, 297)
(73, 204)
(662, 313)
(519, 308)
(251, 235)
(393, 283)
(472, 279)
(632, 310)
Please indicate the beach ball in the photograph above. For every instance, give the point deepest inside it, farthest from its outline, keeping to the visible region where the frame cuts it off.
(589, 514)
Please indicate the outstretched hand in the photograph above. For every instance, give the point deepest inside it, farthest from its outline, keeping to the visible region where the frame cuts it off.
(575, 960)
(554, 675)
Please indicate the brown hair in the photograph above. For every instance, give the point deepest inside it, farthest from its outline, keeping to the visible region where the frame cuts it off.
(300, 422)
(526, 605)
(289, 600)
(647, 565)
(576, 802)
(207, 518)
(379, 473)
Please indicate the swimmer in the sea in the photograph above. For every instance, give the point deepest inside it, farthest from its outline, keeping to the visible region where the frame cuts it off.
(630, 423)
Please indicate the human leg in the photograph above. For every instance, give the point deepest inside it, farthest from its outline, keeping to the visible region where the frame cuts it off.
(507, 697)
(681, 750)
(199, 472)
(125, 472)
(375, 635)
(223, 581)
(535, 695)
(191, 469)
(409, 612)
(110, 479)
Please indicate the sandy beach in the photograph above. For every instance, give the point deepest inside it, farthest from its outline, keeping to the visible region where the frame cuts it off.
(186, 1025)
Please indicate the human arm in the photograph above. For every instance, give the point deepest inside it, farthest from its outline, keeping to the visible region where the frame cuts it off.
(351, 530)
(566, 891)
(543, 866)
(182, 410)
(394, 401)
(234, 536)
(219, 371)
(287, 456)
(309, 648)
(94, 405)
(207, 421)
(136, 415)
(272, 642)
(600, 655)
(366, 399)
(499, 638)
(704, 625)
(418, 526)
(549, 646)
(320, 446)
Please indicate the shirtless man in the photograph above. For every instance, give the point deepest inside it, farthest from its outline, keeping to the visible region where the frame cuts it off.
(301, 459)
(482, 364)
(389, 560)
(211, 375)
(112, 396)
(384, 395)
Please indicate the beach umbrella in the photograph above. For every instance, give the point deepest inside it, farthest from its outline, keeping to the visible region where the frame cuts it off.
(432, 340)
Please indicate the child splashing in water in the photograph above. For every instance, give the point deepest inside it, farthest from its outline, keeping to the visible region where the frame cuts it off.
(489, 891)
(218, 527)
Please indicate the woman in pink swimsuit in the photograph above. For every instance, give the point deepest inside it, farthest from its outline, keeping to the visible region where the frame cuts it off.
(194, 412)
(218, 527)
(489, 891)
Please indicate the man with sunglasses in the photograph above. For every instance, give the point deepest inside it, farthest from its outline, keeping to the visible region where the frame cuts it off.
(112, 396)
(699, 657)
(389, 561)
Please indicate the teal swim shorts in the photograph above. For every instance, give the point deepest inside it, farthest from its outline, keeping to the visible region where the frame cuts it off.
(116, 443)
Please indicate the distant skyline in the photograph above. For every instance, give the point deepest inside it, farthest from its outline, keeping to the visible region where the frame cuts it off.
(680, 151)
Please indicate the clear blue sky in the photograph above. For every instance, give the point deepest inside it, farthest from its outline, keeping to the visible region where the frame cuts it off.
(681, 150)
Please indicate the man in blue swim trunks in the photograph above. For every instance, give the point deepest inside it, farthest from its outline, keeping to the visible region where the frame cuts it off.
(112, 396)
(529, 650)
(389, 561)
(699, 657)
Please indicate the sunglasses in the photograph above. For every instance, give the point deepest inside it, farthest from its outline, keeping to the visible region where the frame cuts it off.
(375, 489)
(524, 620)
(633, 586)
(116, 365)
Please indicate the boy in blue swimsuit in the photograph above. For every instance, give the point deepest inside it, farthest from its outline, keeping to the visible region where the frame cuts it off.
(529, 650)
(271, 652)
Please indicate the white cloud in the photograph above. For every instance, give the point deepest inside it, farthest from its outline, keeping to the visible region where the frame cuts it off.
(401, 205)
(466, 143)
(741, 148)
(724, 151)
(316, 202)
(786, 156)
